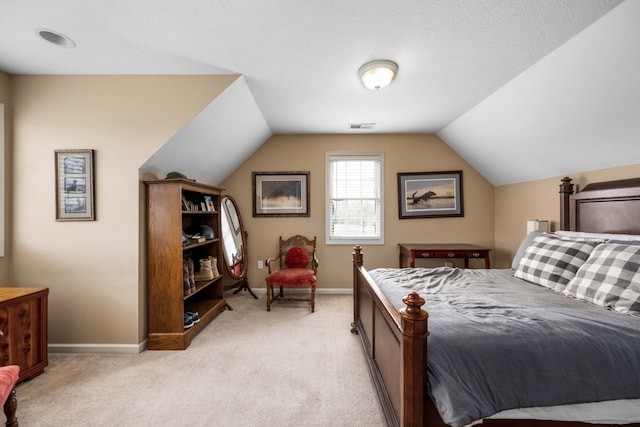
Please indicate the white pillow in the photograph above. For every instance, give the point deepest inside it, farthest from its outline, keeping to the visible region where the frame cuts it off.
(598, 236)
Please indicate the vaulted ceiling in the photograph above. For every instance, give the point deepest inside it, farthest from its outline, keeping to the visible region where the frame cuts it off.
(522, 89)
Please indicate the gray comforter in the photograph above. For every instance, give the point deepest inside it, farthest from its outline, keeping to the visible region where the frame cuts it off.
(498, 343)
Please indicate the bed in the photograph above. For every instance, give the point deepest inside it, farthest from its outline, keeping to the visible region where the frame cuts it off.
(397, 333)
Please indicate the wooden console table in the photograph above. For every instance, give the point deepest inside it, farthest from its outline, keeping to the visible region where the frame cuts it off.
(442, 250)
(23, 322)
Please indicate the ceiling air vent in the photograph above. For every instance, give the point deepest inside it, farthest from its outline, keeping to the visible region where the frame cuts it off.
(361, 125)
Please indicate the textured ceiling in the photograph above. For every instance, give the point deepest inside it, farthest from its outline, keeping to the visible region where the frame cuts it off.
(467, 68)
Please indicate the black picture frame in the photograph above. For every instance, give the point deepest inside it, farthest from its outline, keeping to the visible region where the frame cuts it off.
(280, 194)
(430, 194)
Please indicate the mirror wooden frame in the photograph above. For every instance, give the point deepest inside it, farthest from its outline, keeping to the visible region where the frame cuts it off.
(232, 220)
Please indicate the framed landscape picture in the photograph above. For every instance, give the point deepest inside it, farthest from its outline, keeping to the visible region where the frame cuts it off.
(430, 194)
(74, 185)
(280, 194)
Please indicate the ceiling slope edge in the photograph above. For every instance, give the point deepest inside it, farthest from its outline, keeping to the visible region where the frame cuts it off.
(215, 142)
(528, 129)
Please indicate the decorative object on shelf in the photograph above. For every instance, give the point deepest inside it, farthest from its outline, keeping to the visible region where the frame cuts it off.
(206, 272)
(280, 194)
(177, 175)
(207, 232)
(538, 225)
(376, 75)
(430, 194)
(188, 276)
(74, 185)
(214, 267)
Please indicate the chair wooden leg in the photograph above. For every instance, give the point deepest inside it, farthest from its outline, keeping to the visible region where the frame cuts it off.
(313, 298)
(10, 407)
(269, 296)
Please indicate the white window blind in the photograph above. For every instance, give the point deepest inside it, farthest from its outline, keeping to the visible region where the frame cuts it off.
(354, 204)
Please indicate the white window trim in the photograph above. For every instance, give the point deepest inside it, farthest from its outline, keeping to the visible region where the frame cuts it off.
(350, 241)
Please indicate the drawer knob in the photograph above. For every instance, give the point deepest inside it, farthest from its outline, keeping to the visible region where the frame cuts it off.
(476, 254)
(425, 254)
(451, 254)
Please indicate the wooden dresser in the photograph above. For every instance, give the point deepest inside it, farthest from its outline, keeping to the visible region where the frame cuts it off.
(443, 250)
(23, 322)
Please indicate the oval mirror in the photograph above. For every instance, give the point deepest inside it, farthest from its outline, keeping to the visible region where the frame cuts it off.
(234, 244)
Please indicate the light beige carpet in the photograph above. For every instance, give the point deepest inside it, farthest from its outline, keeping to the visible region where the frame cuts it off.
(249, 367)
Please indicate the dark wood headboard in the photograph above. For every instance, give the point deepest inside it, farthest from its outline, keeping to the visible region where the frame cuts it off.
(602, 207)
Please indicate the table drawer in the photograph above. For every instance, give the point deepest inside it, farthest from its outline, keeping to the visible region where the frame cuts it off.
(424, 254)
(450, 254)
(478, 254)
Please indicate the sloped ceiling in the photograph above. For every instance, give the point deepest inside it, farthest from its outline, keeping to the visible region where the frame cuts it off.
(577, 109)
(498, 80)
(190, 150)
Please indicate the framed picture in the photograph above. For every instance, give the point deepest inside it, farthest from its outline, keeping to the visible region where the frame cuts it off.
(280, 193)
(430, 194)
(74, 185)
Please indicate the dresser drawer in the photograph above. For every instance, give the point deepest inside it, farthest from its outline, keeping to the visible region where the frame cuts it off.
(425, 254)
(450, 254)
(477, 254)
(23, 323)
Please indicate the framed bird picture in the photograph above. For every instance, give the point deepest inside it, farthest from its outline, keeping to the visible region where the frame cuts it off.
(430, 194)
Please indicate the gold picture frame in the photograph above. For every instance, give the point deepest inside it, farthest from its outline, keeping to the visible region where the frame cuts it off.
(74, 185)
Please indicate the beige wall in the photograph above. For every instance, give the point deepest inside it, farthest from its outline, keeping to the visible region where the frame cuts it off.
(6, 100)
(402, 153)
(516, 203)
(93, 268)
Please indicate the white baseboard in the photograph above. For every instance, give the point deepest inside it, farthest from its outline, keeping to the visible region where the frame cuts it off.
(98, 348)
(139, 348)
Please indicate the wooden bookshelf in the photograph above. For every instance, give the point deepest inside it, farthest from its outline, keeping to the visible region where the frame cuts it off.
(167, 217)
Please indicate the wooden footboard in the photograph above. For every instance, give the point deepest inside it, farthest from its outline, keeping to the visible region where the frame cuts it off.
(395, 345)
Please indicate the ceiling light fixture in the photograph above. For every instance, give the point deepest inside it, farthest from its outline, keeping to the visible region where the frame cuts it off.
(56, 38)
(376, 75)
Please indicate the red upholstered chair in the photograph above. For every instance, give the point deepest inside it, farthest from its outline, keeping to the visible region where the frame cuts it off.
(8, 378)
(295, 266)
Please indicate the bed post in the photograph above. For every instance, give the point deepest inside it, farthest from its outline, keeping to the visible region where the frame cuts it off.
(357, 262)
(566, 190)
(414, 361)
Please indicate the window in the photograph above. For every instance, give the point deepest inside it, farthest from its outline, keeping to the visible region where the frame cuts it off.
(354, 198)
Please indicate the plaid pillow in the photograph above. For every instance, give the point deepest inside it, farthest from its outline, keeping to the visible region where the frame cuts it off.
(552, 261)
(609, 278)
